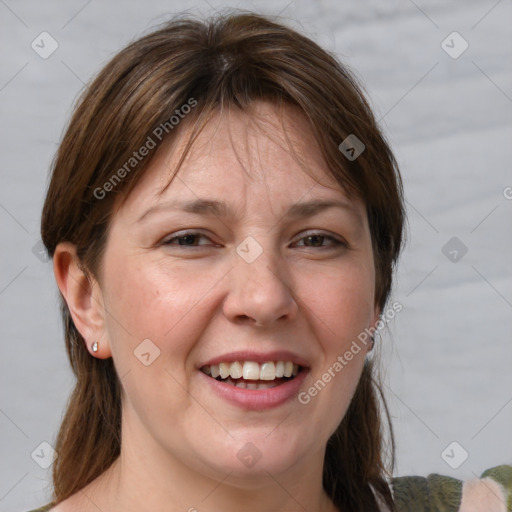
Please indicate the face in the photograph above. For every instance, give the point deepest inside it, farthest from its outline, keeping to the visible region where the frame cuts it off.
(247, 260)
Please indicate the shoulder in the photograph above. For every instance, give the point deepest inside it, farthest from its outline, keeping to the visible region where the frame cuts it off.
(492, 492)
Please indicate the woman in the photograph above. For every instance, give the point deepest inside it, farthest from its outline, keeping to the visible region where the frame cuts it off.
(224, 217)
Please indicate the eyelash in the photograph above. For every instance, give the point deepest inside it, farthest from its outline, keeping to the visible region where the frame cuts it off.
(334, 241)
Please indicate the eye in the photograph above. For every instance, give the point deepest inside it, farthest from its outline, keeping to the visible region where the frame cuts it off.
(187, 239)
(316, 240)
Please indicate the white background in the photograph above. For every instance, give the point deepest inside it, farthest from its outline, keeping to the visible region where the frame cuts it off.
(447, 358)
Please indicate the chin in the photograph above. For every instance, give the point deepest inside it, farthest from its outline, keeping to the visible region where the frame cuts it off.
(252, 459)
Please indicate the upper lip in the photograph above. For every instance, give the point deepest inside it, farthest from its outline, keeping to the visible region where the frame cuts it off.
(257, 357)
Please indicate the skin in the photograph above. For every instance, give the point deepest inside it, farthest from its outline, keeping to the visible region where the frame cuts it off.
(313, 297)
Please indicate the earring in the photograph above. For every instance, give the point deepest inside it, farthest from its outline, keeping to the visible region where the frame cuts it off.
(94, 347)
(372, 343)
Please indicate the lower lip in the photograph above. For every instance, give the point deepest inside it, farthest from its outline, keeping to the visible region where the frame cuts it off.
(257, 399)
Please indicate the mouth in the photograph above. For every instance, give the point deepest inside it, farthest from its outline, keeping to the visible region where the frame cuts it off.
(252, 375)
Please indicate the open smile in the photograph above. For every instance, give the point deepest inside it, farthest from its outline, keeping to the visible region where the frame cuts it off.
(252, 375)
(252, 385)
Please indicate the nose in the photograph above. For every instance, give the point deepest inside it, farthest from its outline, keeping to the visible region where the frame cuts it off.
(260, 292)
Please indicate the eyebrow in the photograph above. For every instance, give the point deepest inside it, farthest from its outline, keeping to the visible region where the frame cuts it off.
(220, 209)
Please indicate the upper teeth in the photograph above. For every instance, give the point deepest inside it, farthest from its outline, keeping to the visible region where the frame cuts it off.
(250, 370)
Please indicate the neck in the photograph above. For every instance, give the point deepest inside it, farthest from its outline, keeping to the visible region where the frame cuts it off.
(147, 477)
(181, 490)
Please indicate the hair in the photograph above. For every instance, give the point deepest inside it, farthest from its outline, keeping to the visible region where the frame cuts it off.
(230, 60)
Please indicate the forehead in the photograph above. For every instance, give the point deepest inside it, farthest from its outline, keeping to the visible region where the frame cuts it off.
(265, 141)
(265, 153)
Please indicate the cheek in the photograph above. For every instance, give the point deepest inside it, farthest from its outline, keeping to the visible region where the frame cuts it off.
(150, 301)
(153, 302)
(340, 307)
(340, 302)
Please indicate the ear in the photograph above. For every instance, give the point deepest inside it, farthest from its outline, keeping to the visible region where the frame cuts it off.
(374, 322)
(83, 296)
(376, 317)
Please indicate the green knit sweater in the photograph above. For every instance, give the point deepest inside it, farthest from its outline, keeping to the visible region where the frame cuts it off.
(492, 492)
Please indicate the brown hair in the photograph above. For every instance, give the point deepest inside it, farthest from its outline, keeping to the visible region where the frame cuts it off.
(229, 60)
